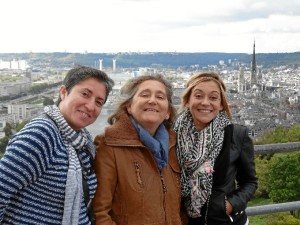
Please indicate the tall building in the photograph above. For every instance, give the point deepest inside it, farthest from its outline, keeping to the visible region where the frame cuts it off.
(259, 76)
(253, 80)
(241, 80)
(100, 64)
(28, 74)
(114, 64)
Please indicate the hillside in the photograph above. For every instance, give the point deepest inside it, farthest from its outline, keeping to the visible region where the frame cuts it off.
(151, 59)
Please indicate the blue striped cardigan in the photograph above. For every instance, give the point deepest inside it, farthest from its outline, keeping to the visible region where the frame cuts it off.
(33, 173)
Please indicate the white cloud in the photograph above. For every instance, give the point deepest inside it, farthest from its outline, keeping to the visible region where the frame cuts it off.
(149, 25)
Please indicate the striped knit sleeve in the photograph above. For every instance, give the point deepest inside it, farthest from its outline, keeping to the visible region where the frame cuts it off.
(28, 154)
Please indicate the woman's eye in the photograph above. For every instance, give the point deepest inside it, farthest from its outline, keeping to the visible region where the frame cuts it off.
(99, 103)
(199, 96)
(213, 98)
(144, 95)
(85, 93)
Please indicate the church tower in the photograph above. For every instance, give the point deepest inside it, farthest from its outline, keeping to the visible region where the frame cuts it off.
(253, 80)
(241, 80)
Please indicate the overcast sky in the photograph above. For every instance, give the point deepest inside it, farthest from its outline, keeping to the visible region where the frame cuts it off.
(103, 26)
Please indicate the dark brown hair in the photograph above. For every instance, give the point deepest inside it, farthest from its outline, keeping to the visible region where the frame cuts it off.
(80, 73)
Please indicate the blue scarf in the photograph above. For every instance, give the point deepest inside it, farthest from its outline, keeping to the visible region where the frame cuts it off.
(158, 144)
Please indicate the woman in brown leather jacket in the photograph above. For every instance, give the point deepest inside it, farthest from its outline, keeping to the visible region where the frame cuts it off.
(136, 165)
(216, 157)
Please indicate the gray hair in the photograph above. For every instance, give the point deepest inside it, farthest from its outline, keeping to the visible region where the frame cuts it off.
(129, 90)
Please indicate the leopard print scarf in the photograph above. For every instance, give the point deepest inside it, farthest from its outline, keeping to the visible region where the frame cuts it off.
(197, 152)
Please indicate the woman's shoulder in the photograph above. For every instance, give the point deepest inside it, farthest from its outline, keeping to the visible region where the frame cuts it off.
(43, 123)
(38, 128)
(240, 133)
(239, 129)
(38, 140)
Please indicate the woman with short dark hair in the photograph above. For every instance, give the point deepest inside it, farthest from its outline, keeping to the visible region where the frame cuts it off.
(47, 165)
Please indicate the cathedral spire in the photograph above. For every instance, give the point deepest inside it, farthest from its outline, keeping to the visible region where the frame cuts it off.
(253, 67)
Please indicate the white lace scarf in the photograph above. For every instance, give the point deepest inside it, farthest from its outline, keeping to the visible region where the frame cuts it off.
(197, 152)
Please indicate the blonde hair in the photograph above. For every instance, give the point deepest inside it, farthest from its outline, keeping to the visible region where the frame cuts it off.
(198, 78)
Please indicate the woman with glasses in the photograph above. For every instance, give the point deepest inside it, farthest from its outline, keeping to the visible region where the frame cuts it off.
(46, 174)
(216, 157)
(136, 166)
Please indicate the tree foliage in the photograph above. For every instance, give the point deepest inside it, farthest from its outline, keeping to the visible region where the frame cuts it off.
(21, 125)
(283, 219)
(281, 135)
(8, 130)
(271, 175)
(36, 89)
(282, 176)
(48, 101)
(3, 141)
(3, 144)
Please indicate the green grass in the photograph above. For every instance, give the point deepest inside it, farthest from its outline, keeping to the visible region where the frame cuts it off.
(264, 219)
(259, 201)
(259, 219)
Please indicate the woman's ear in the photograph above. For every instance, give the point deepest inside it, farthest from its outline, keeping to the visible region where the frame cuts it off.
(167, 116)
(221, 108)
(128, 107)
(62, 92)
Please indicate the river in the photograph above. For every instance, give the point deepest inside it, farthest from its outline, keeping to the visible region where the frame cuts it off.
(98, 126)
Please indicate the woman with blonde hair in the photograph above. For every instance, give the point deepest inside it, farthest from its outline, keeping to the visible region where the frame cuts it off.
(216, 157)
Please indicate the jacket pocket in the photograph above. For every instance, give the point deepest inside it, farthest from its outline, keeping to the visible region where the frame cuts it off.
(216, 209)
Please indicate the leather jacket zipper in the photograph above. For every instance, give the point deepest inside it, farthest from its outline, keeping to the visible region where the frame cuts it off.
(138, 174)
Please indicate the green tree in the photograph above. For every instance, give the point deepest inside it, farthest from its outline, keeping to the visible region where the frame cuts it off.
(48, 101)
(282, 177)
(264, 163)
(3, 144)
(282, 219)
(21, 125)
(3, 141)
(8, 130)
(281, 135)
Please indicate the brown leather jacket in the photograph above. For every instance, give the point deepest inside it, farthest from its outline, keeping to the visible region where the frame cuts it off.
(131, 189)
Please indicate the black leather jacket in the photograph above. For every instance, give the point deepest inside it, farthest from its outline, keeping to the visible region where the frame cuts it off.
(234, 178)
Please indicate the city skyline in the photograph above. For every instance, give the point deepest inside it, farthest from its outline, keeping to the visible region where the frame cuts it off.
(149, 25)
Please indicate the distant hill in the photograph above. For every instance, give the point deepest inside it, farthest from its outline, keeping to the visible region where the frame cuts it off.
(151, 59)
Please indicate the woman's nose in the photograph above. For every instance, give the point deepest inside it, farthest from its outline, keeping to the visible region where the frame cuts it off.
(90, 105)
(205, 100)
(152, 99)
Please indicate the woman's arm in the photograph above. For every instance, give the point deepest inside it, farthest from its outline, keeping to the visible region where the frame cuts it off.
(24, 160)
(105, 169)
(246, 174)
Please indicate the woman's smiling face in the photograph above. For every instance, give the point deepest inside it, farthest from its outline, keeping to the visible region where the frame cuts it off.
(150, 106)
(205, 103)
(83, 104)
